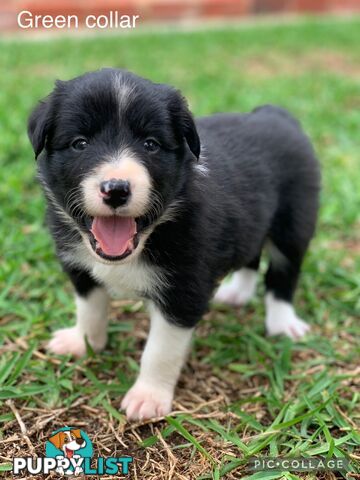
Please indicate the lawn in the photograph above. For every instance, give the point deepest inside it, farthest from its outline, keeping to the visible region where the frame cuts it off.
(241, 394)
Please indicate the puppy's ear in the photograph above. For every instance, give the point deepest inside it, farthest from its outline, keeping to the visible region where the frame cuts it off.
(190, 133)
(57, 440)
(38, 125)
(184, 121)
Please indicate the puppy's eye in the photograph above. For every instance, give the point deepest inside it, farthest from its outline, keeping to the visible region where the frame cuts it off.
(79, 144)
(151, 145)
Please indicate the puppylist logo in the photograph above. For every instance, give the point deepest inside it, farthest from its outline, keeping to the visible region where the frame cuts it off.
(69, 451)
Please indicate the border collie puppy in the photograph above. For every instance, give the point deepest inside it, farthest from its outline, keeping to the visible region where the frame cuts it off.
(144, 200)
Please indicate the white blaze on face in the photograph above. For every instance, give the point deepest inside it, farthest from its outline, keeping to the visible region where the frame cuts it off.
(124, 167)
(71, 444)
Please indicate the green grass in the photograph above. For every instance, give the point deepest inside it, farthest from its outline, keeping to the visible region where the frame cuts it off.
(242, 394)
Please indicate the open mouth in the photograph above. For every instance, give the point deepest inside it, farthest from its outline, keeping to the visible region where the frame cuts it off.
(69, 453)
(113, 238)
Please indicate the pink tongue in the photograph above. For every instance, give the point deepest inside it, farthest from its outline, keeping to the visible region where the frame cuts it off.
(114, 233)
(69, 453)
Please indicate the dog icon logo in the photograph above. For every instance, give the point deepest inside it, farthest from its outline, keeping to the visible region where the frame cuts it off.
(69, 452)
(70, 446)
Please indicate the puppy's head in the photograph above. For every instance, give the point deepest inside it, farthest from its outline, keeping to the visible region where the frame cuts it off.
(114, 151)
(68, 441)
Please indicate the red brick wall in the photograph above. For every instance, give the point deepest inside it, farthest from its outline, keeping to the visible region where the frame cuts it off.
(170, 9)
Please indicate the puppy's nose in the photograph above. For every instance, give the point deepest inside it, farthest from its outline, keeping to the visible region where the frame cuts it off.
(115, 192)
(80, 441)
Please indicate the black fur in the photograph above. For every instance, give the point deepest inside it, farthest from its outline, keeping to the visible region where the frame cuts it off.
(262, 183)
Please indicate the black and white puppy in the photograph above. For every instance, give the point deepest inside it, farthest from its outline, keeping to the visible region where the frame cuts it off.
(143, 200)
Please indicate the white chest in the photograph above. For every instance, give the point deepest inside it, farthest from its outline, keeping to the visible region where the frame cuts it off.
(130, 279)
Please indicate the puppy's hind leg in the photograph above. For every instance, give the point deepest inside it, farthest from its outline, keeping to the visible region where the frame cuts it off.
(164, 355)
(292, 228)
(241, 287)
(281, 279)
(92, 303)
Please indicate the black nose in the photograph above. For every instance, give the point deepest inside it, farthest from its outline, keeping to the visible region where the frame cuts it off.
(115, 192)
(80, 441)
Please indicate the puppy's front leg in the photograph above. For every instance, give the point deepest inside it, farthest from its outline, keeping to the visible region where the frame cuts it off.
(164, 355)
(92, 303)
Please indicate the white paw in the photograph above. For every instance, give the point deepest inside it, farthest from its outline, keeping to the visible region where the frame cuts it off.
(232, 296)
(68, 340)
(71, 340)
(293, 327)
(281, 319)
(239, 290)
(145, 401)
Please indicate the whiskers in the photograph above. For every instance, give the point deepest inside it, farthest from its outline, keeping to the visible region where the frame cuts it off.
(156, 207)
(61, 212)
(159, 214)
(74, 203)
